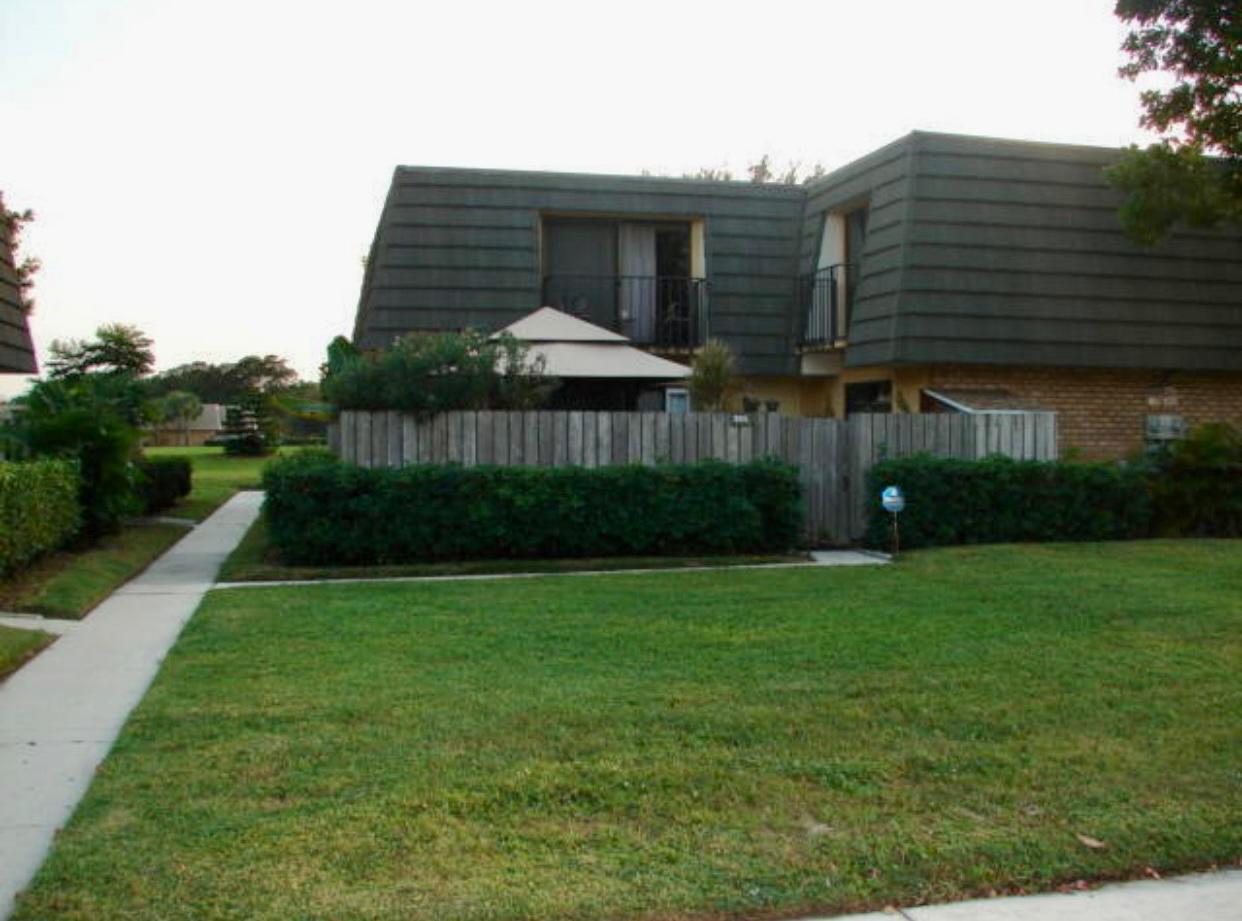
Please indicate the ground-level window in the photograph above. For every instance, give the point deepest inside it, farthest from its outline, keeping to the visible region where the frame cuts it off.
(677, 401)
(869, 397)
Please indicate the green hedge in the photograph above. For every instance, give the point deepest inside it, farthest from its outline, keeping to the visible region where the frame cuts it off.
(162, 481)
(1197, 484)
(39, 510)
(321, 511)
(999, 500)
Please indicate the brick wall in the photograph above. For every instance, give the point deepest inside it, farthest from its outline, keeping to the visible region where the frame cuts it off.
(1102, 412)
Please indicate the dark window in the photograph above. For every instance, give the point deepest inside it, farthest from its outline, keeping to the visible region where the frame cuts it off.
(869, 397)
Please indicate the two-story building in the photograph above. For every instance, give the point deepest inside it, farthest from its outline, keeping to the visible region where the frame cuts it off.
(938, 274)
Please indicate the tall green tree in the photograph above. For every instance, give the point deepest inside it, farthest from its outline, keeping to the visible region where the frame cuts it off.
(713, 377)
(13, 223)
(116, 349)
(1194, 174)
(227, 382)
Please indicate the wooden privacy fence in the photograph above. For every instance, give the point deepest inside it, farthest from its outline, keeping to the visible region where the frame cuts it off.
(832, 455)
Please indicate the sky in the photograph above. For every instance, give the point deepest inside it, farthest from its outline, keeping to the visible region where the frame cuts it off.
(212, 172)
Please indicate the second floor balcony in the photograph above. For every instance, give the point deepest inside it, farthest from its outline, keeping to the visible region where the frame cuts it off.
(826, 297)
(662, 312)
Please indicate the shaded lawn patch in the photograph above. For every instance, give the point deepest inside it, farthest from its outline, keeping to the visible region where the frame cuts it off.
(17, 646)
(255, 560)
(216, 477)
(70, 584)
(742, 743)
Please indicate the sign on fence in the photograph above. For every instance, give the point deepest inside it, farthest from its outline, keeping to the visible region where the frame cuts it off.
(832, 455)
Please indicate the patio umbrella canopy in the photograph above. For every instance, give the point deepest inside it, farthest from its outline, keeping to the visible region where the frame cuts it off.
(575, 349)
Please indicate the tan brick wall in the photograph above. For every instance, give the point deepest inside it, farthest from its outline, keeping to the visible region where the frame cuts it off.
(1102, 412)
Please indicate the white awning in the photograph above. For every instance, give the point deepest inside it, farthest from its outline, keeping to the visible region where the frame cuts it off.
(600, 360)
(574, 348)
(547, 324)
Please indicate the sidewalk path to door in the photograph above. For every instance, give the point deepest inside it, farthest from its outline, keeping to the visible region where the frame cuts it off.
(61, 712)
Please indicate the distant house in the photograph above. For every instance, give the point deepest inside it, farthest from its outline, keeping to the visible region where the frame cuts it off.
(940, 273)
(208, 424)
(17, 355)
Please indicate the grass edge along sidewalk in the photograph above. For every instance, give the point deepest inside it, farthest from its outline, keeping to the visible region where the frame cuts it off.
(756, 743)
(61, 712)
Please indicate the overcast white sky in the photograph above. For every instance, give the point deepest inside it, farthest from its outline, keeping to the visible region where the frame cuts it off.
(212, 171)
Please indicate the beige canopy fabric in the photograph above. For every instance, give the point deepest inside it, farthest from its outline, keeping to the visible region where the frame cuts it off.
(573, 348)
(547, 324)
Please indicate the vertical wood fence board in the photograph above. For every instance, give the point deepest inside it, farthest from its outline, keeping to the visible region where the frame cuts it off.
(485, 444)
(409, 441)
(663, 437)
(677, 439)
(525, 445)
(362, 440)
(394, 439)
(348, 451)
(648, 451)
(573, 449)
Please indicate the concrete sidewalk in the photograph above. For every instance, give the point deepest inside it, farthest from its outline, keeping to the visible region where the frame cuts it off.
(816, 558)
(61, 712)
(1199, 897)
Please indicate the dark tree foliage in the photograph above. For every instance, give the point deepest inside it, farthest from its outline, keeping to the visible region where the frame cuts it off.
(116, 349)
(88, 418)
(762, 172)
(430, 373)
(14, 222)
(227, 383)
(1194, 175)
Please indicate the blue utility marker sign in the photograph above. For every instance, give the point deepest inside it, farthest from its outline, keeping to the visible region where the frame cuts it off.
(892, 499)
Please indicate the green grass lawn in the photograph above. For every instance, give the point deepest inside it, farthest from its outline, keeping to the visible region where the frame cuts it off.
(676, 745)
(70, 584)
(216, 477)
(16, 646)
(254, 560)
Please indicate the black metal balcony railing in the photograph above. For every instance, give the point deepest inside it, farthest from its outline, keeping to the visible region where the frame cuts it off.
(664, 312)
(824, 293)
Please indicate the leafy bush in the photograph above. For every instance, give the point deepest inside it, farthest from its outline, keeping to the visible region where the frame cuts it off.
(1000, 500)
(430, 373)
(321, 511)
(39, 509)
(1197, 484)
(91, 419)
(162, 481)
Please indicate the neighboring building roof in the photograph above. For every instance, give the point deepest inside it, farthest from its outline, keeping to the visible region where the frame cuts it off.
(16, 349)
(983, 400)
(978, 251)
(983, 251)
(588, 351)
(547, 324)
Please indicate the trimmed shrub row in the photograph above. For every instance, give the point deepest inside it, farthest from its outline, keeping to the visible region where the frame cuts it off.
(1197, 484)
(162, 481)
(322, 511)
(1000, 500)
(39, 510)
